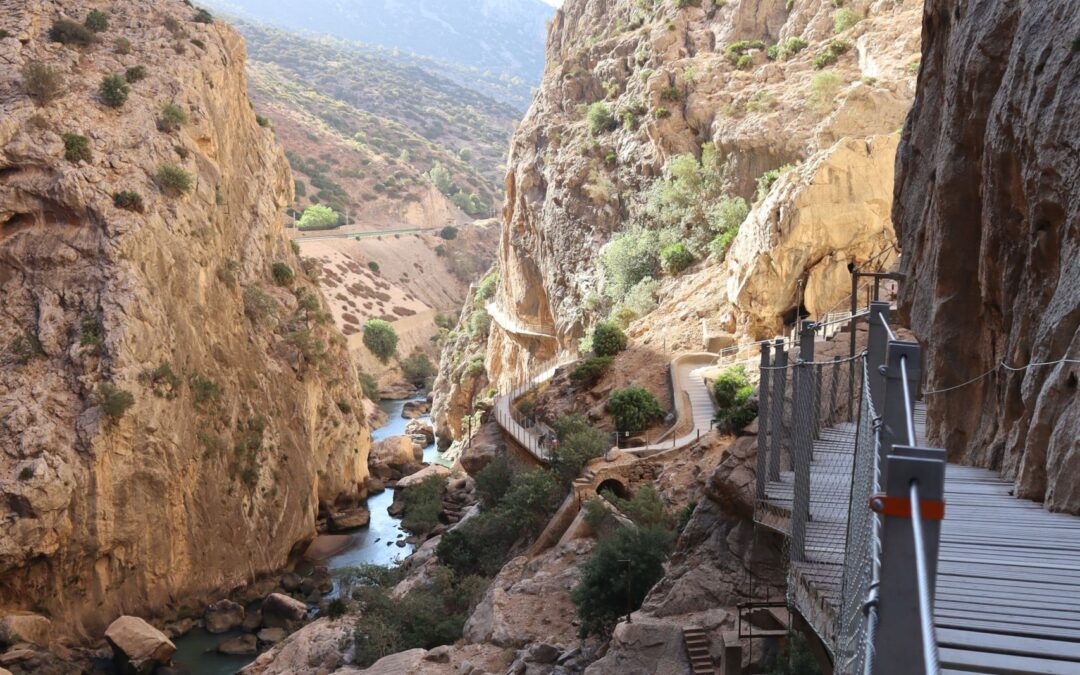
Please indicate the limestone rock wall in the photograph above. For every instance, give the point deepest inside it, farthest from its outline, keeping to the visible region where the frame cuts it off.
(215, 472)
(986, 210)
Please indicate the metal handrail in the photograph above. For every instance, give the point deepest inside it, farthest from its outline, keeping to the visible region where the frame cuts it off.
(909, 413)
(926, 620)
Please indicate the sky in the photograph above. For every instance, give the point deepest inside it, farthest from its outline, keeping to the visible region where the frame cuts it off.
(554, 3)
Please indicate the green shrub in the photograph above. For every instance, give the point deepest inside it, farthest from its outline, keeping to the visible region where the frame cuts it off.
(380, 338)
(644, 507)
(761, 101)
(449, 232)
(783, 51)
(91, 334)
(263, 121)
(163, 382)
(744, 62)
(823, 90)
(171, 25)
(675, 258)
(845, 18)
(203, 16)
(630, 257)
(114, 402)
(318, 217)
(27, 472)
(832, 53)
(671, 94)
(634, 409)
(71, 33)
(259, 306)
(493, 481)
(282, 273)
(599, 119)
(42, 82)
(97, 21)
(418, 369)
(661, 113)
(737, 50)
(480, 545)
(766, 180)
(531, 499)
(204, 391)
(25, 348)
(590, 371)
(479, 323)
(423, 502)
(77, 148)
(172, 117)
(485, 288)
(370, 386)
(373, 266)
(122, 46)
(722, 242)
(174, 180)
(135, 74)
(608, 339)
(198, 43)
(114, 90)
(733, 393)
(579, 442)
(129, 201)
(629, 563)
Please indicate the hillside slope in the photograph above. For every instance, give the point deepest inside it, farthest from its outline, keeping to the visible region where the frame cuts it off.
(171, 391)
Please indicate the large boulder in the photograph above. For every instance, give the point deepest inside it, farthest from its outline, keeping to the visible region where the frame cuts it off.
(223, 616)
(420, 432)
(281, 611)
(314, 648)
(138, 648)
(241, 645)
(25, 627)
(485, 445)
(395, 452)
(414, 409)
(422, 475)
(349, 519)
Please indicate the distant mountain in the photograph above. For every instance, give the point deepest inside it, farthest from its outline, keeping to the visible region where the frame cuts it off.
(505, 37)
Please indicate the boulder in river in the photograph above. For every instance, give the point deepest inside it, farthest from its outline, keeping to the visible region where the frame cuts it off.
(349, 519)
(422, 475)
(421, 432)
(223, 616)
(281, 611)
(414, 409)
(241, 645)
(271, 635)
(137, 646)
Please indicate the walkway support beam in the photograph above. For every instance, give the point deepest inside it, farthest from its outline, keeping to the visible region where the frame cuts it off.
(776, 424)
(804, 414)
(900, 357)
(877, 343)
(763, 421)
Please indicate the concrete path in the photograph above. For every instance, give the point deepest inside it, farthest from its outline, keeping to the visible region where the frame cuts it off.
(499, 316)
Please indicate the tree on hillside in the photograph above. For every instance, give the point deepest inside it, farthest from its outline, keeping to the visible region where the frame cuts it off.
(380, 338)
(318, 217)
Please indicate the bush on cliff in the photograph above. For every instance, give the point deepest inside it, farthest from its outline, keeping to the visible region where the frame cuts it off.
(630, 257)
(675, 258)
(174, 180)
(114, 401)
(734, 405)
(608, 339)
(114, 90)
(586, 374)
(422, 505)
(71, 33)
(380, 338)
(418, 369)
(42, 82)
(634, 409)
(579, 443)
(318, 217)
(97, 21)
(600, 119)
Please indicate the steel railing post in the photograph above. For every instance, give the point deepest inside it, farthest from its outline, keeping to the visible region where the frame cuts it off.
(894, 414)
(763, 421)
(877, 342)
(779, 382)
(801, 456)
(899, 639)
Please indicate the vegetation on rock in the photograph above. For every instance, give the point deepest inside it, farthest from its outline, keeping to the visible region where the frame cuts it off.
(608, 339)
(634, 409)
(77, 148)
(114, 90)
(381, 338)
(42, 82)
(734, 405)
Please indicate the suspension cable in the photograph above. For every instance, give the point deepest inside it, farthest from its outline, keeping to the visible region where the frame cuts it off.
(929, 640)
(1013, 369)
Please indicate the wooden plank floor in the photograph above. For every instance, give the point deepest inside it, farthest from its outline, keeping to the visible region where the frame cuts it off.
(1008, 586)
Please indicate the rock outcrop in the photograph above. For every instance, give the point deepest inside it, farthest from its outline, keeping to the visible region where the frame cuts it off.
(171, 397)
(138, 647)
(986, 209)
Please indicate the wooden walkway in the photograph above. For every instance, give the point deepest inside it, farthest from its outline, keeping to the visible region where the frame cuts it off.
(1008, 584)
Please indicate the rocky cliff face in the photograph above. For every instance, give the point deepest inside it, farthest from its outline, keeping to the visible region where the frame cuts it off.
(170, 415)
(702, 80)
(986, 208)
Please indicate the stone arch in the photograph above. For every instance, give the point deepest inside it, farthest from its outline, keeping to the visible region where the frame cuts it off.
(616, 486)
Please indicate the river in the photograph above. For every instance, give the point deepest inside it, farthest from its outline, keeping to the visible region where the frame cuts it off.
(374, 544)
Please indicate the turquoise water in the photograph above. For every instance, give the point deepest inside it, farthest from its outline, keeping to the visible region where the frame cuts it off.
(372, 544)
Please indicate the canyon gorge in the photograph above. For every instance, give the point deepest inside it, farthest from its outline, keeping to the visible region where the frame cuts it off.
(560, 474)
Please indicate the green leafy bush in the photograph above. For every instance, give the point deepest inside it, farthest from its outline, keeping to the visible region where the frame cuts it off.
(479, 323)
(380, 338)
(129, 201)
(493, 481)
(114, 401)
(832, 53)
(172, 118)
(630, 257)
(579, 442)
(71, 33)
(263, 121)
(734, 394)
(449, 232)
(114, 90)
(783, 51)
(25, 348)
(675, 258)
(602, 594)
(204, 391)
(282, 273)
(318, 217)
(418, 369)
(485, 288)
(370, 386)
(737, 50)
(42, 82)
(634, 409)
(97, 21)
(162, 381)
(671, 94)
(661, 113)
(823, 90)
(135, 74)
(203, 16)
(122, 46)
(91, 334)
(259, 306)
(586, 374)
(77, 148)
(766, 180)
(845, 18)
(608, 339)
(423, 502)
(599, 119)
(174, 180)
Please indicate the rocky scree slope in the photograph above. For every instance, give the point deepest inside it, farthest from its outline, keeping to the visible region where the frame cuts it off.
(170, 415)
(986, 208)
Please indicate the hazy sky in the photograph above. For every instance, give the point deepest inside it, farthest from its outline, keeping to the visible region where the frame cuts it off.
(554, 3)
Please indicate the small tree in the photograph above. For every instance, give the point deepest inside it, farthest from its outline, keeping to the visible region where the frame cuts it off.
(114, 90)
(114, 401)
(493, 481)
(608, 339)
(122, 46)
(42, 82)
(135, 74)
(174, 180)
(735, 407)
(418, 368)
(675, 258)
(590, 371)
(172, 117)
(634, 409)
(129, 201)
(77, 148)
(449, 232)
(380, 338)
(203, 16)
(283, 274)
(318, 217)
(845, 18)
(71, 33)
(97, 21)
(579, 442)
(600, 119)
